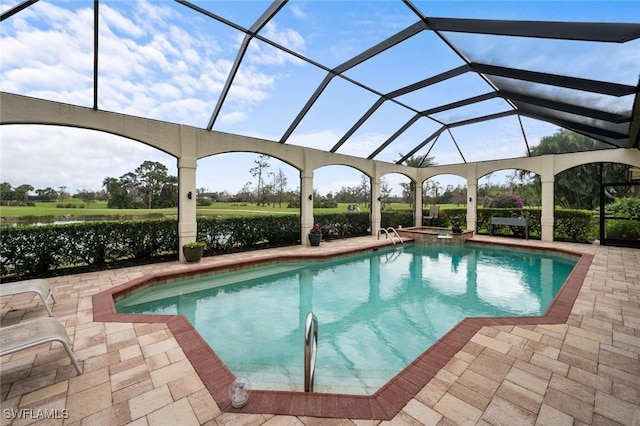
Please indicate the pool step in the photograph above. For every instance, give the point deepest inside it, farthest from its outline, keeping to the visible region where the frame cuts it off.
(194, 285)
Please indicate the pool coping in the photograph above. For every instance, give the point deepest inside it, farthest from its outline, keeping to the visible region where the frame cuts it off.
(385, 403)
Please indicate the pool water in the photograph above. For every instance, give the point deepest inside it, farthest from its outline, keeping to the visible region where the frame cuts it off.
(376, 311)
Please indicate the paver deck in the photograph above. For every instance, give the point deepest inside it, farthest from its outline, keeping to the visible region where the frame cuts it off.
(581, 369)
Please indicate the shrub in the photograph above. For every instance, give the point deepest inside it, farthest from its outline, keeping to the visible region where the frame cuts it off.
(505, 201)
(326, 204)
(624, 207)
(396, 218)
(627, 228)
(203, 202)
(343, 225)
(572, 225)
(40, 250)
(623, 229)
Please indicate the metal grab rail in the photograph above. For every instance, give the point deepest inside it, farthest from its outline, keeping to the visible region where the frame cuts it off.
(392, 229)
(396, 234)
(310, 350)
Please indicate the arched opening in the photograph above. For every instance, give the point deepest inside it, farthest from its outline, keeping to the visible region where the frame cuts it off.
(444, 197)
(78, 171)
(603, 198)
(232, 183)
(341, 201)
(343, 185)
(513, 194)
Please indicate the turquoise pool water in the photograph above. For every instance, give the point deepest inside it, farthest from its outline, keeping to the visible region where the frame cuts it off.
(376, 311)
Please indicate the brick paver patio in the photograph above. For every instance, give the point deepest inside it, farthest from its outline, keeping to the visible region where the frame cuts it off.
(584, 370)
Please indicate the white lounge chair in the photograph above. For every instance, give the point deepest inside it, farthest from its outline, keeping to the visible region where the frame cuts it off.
(39, 286)
(27, 334)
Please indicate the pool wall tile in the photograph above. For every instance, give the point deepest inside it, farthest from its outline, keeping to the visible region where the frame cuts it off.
(384, 404)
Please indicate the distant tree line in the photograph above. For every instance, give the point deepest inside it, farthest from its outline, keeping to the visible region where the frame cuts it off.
(149, 186)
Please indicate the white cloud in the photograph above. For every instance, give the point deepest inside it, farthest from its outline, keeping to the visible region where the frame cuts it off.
(113, 20)
(233, 117)
(264, 54)
(298, 10)
(51, 156)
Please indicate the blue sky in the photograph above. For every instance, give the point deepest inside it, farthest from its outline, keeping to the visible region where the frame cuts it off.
(161, 60)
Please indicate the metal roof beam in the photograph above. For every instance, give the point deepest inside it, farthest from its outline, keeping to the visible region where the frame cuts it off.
(17, 8)
(449, 126)
(422, 144)
(603, 87)
(356, 60)
(584, 31)
(96, 37)
(482, 118)
(393, 137)
(574, 125)
(518, 99)
(359, 123)
(429, 81)
(305, 109)
(464, 102)
(397, 38)
(268, 14)
(403, 91)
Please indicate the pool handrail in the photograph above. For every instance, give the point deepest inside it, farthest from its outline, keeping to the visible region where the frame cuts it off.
(392, 229)
(310, 350)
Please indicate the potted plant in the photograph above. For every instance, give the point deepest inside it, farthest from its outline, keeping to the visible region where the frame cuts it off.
(193, 251)
(455, 225)
(315, 235)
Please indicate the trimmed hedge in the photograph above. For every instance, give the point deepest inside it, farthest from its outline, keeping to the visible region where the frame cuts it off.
(38, 250)
(343, 225)
(572, 225)
(247, 233)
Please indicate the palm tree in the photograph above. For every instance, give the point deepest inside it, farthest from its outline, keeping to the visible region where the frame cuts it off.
(419, 162)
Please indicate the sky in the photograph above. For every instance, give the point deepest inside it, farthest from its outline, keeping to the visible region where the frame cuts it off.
(161, 60)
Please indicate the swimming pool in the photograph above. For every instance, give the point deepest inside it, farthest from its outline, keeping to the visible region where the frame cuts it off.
(377, 311)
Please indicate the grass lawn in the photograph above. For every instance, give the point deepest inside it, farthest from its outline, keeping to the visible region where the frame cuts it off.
(49, 209)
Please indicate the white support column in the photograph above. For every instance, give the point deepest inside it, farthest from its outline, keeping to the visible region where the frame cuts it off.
(417, 204)
(472, 198)
(306, 205)
(472, 206)
(187, 164)
(187, 227)
(376, 219)
(548, 204)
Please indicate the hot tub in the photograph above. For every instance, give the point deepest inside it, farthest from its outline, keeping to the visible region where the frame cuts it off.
(434, 235)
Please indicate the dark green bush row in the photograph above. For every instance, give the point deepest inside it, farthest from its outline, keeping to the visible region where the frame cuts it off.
(396, 218)
(70, 206)
(326, 204)
(572, 225)
(37, 250)
(343, 225)
(247, 233)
